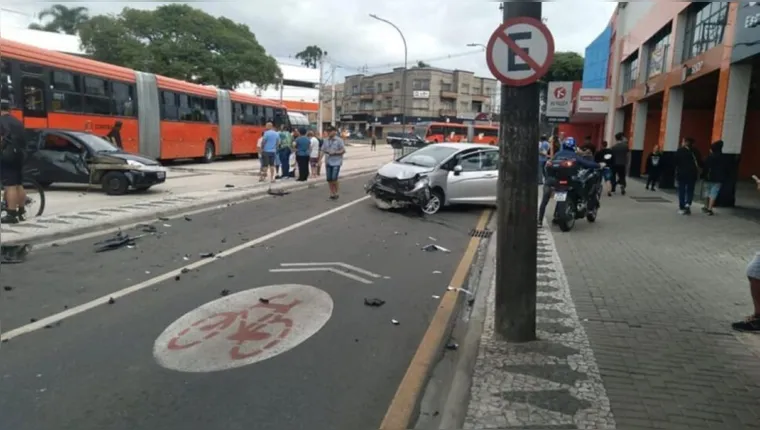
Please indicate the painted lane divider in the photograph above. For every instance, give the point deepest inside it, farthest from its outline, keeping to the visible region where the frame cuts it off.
(325, 267)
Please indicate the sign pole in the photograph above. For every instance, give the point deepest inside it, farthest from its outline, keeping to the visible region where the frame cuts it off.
(518, 199)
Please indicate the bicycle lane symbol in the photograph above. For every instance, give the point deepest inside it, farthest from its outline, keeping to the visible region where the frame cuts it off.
(239, 330)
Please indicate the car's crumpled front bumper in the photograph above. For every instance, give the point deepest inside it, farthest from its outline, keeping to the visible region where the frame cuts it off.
(399, 192)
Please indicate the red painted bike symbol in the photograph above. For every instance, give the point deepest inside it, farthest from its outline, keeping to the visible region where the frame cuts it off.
(248, 335)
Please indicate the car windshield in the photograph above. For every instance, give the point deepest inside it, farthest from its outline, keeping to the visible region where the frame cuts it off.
(96, 143)
(429, 156)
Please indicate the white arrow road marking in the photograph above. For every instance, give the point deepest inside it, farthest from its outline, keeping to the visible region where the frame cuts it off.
(344, 265)
(324, 269)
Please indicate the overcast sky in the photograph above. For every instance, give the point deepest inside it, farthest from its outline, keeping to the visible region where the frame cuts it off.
(433, 29)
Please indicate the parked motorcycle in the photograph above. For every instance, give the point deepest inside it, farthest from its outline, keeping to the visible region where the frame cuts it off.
(577, 192)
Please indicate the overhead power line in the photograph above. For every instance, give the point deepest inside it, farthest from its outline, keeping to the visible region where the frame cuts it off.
(365, 68)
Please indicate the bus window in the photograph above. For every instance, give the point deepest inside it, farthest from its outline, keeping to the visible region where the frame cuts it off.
(32, 90)
(67, 92)
(436, 130)
(169, 109)
(269, 114)
(210, 107)
(123, 99)
(6, 82)
(489, 132)
(199, 114)
(184, 111)
(237, 113)
(279, 117)
(96, 98)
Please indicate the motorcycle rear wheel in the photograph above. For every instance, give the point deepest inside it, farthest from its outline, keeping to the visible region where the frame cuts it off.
(565, 215)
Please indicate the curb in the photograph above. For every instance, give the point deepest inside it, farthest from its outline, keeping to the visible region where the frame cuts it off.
(141, 218)
(405, 406)
(457, 402)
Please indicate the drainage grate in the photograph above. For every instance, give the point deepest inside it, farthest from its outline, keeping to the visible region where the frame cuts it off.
(647, 199)
(481, 233)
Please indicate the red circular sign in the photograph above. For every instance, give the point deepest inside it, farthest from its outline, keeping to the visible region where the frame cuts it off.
(539, 70)
(560, 93)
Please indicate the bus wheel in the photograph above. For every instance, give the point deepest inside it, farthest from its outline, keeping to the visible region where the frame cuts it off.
(208, 152)
(115, 183)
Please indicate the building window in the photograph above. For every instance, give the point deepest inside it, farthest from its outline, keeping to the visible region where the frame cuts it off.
(659, 47)
(705, 26)
(421, 104)
(446, 87)
(630, 72)
(487, 91)
(355, 90)
(463, 106)
(465, 89)
(476, 91)
(421, 85)
(398, 85)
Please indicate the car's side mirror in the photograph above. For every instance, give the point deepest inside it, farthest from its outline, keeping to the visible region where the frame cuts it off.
(458, 169)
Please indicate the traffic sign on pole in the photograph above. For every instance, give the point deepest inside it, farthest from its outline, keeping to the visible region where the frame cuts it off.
(520, 51)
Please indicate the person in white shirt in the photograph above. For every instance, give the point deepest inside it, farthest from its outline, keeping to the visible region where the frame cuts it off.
(314, 154)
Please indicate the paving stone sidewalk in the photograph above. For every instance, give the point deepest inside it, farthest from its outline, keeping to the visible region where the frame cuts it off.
(634, 317)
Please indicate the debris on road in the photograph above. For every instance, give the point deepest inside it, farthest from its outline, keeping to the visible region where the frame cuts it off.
(206, 254)
(263, 300)
(163, 218)
(177, 278)
(111, 301)
(229, 186)
(8, 288)
(375, 303)
(184, 270)
(433, 247)
(395, 322)
(436, 297)
(167, 225)
(119, 240)
(432, 238)
(187, 218)
(452, 346)
(437, 272)
(147, 228)
(277, 193)
(225, 293)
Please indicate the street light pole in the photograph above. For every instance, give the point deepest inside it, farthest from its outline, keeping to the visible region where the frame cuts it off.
(403, 76)
(515, 310)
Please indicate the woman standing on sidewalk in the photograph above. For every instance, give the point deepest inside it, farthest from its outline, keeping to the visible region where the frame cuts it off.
(752, 323)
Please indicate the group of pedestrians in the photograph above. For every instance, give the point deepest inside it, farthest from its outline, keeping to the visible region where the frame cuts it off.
(276, 148)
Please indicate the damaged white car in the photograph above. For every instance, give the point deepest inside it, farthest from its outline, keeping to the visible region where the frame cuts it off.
(438, 175)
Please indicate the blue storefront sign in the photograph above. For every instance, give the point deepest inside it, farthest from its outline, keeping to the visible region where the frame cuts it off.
(747, 39)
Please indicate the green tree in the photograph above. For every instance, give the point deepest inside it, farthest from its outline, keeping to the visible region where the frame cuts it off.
(421, 64)
(311, 56)
(62, 19)
(181, 42)
(567, 66)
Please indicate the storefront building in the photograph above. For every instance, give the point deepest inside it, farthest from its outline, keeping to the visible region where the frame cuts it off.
(676, 74)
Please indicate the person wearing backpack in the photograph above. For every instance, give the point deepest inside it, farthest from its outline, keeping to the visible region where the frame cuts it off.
(12, 152)
(688, 165)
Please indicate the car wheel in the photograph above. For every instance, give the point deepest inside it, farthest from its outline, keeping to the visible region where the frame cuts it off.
(115, 183)
(208, 153)
(435, 203)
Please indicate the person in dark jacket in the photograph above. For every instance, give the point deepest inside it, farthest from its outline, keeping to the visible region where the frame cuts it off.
(714, 175)
(653, 168)
(688, 165)
(621, 160)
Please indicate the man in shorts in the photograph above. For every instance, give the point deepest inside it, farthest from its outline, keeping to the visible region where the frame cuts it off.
(334, 149)
(269, 143)
(313, 153)
(12, 147)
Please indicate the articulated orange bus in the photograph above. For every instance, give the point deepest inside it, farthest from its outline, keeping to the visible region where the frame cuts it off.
(437, 132)
(161, 117)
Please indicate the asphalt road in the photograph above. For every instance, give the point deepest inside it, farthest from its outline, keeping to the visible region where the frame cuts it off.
(129, 365)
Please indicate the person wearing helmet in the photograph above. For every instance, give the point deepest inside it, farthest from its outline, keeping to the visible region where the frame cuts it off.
(568, 151)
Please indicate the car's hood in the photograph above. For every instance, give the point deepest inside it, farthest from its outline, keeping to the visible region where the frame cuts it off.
(122, 157)
(402, 171)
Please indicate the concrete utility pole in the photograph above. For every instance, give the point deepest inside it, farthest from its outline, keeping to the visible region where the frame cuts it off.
(319, 95)
(517, 201)
(332, 97)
